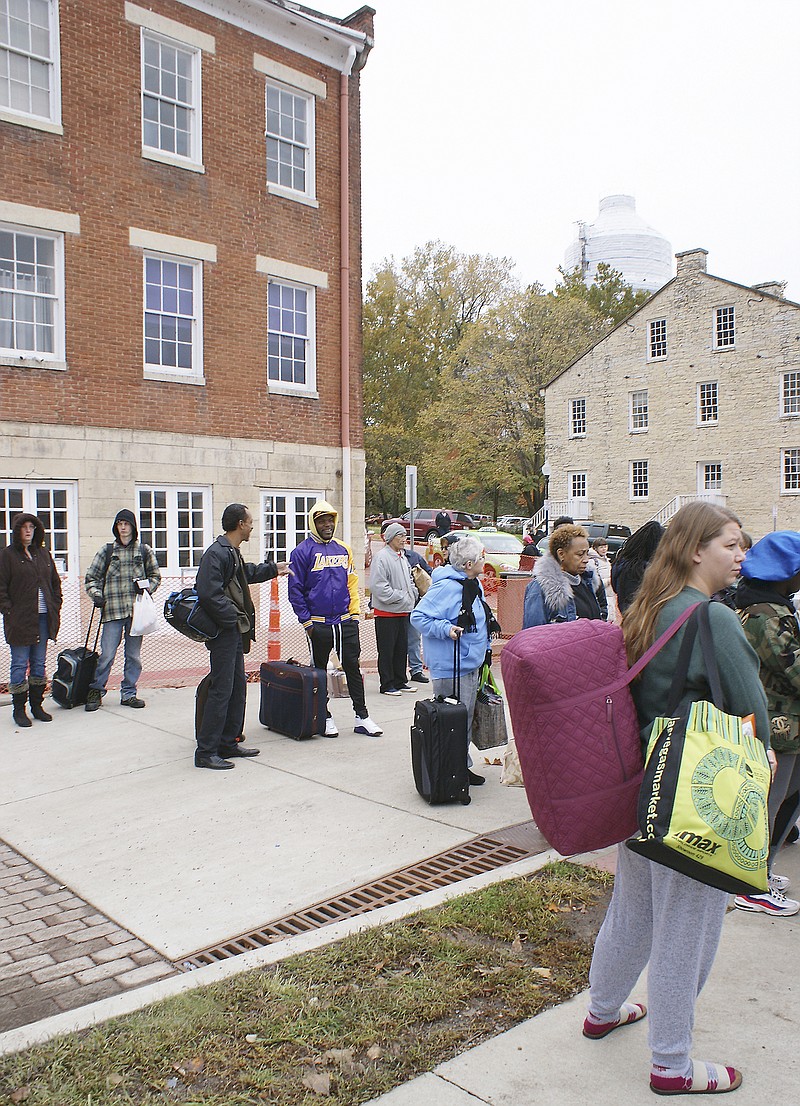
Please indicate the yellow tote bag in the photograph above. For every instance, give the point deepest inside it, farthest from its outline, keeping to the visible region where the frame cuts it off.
(703, 803)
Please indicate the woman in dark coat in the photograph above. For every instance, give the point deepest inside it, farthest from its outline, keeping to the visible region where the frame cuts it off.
(631, 561)
(30, 602)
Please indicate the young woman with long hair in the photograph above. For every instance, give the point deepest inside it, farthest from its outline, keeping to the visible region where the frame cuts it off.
(658, 916)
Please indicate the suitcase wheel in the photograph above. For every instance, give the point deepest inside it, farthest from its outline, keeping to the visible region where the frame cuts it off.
(466, 800)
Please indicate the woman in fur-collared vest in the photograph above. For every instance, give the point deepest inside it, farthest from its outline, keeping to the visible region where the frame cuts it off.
(563, 588)
(30, 601)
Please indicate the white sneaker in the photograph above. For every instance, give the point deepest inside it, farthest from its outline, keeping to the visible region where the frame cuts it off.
(778, 883)
(330, 728)
(775, 902)
(367, 726)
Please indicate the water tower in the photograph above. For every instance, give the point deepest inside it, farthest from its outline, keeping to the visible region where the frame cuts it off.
(623, 240)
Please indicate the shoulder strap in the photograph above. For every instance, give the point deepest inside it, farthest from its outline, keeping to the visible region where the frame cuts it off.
(660, 642)
(109, 555)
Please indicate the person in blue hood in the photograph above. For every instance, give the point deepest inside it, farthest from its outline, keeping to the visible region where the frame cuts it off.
(324, 595)
(454, 610)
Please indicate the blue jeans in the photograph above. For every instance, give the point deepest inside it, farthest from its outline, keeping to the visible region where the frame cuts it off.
(109, 643)
(33, 656)
(414, 650)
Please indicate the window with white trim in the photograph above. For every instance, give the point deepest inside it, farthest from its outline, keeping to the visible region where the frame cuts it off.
(577, 485)
(724, 327)
(638, 413)
(577, 418)
(284, 521)
(657, 343)
(176, 523)
(790, 394)
(290, 139)
(640, 479)
(55, 505)
(710, 476)
(790, 470)
(173, 318)
(171, 105)
(29, 60)
(707, 403)
(291, 330)
(31, 293)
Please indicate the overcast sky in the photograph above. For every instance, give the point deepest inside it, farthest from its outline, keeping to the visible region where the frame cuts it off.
(495, 126)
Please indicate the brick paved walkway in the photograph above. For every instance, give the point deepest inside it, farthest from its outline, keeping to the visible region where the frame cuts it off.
(56, 951)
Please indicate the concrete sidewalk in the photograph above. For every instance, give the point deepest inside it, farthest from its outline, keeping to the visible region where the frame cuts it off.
(167, 859)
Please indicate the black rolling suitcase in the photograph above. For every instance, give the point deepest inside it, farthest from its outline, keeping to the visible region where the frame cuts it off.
(75, 669)
(293, 699)
(439, 745)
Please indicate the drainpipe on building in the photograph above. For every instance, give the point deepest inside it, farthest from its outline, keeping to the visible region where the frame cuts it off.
(344, 289)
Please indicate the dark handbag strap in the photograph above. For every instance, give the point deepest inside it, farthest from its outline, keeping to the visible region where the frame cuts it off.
(701, 624)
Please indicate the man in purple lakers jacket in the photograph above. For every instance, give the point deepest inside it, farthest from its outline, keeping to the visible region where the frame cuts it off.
(323, 591)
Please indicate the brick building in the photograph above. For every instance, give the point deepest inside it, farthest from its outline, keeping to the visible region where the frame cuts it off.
(696, 393)
(180, 270)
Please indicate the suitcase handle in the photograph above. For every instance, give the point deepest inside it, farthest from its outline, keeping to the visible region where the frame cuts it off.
(457, 669)
(89, 630)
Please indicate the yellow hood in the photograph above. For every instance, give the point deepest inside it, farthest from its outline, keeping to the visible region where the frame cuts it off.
(321, 507)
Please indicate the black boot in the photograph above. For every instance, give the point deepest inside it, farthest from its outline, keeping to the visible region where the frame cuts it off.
(20, 717)
(35, 696)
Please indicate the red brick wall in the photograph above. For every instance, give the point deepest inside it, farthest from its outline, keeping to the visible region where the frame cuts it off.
(96, 170)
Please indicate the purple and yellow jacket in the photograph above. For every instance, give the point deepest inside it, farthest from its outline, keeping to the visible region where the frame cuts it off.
(324, 587)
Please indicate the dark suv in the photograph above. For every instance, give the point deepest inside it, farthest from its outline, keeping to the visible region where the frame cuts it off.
(614, 534)
(425, 522)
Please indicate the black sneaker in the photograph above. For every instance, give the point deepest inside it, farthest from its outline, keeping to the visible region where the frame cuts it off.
(94, 700)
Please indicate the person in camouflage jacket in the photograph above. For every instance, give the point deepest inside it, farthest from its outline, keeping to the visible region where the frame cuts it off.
(770, 577)
(118, 572)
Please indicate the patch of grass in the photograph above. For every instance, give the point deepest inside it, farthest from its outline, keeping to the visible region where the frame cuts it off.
(348, 1021)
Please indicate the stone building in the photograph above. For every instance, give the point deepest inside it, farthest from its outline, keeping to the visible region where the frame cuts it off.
(180, 270)
(697, 393)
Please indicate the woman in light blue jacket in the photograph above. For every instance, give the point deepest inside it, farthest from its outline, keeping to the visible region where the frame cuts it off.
(453, 610)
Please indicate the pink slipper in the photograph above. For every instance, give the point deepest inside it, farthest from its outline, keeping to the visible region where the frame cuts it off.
(705, 1079)
(629, 1013)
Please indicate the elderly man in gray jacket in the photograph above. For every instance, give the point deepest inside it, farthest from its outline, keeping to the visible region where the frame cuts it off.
(393, 597)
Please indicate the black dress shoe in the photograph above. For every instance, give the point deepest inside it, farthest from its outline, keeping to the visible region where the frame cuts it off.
(475, 781)
(215, 762)
(239, 751)
(419, 678)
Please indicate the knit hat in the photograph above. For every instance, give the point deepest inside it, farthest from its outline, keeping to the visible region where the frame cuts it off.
(125, 516)
(392, 530)
(775, 557)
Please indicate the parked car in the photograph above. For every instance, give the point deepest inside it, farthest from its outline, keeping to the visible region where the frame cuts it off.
(502, 551)
(614, 533)
(425, 522)
(512, 523)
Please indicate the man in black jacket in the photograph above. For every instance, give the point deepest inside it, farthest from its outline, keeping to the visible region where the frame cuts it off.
(222, 583)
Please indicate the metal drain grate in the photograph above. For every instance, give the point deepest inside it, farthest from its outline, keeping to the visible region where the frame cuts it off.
(481, 854)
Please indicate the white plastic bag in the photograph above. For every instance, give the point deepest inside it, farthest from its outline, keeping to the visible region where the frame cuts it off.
(145, 618)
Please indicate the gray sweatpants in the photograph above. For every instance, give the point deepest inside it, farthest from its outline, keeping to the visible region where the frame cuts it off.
(786, 782)
(672, 922)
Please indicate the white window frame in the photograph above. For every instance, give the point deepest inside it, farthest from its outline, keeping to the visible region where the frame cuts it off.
(50, 122)
(705, 481)
(634, 480)
(790, 394)
(65, 548)
(578, 484)
(639, 411)
(308, 194)
(792, 457)
(707, 384)
(194, 159)
(286, 387)
(174, 374)
(652, 339)
(716, 343)
(55, 359)
(575, 419)
(271, 544)
(173, 567)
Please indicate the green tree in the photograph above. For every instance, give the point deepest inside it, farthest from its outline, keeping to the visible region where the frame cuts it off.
(416, 314)
(609, 296)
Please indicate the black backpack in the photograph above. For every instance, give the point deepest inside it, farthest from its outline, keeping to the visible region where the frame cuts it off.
(183, 612)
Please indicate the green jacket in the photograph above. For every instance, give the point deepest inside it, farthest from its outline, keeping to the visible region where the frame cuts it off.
(127, 564)
(773, 632)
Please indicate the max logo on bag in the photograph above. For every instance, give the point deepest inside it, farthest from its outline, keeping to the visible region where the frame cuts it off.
(698, 842)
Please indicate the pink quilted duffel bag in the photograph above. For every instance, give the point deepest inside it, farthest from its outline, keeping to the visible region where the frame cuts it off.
(576, 729)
